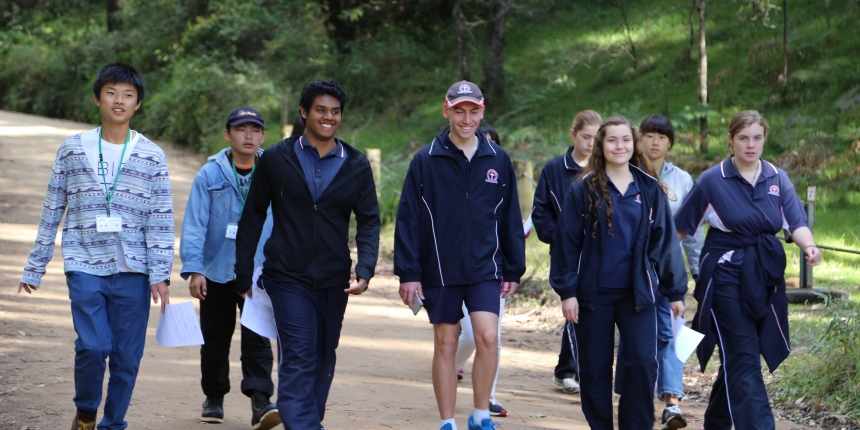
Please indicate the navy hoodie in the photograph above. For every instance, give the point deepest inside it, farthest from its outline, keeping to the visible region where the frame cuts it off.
(455, 230)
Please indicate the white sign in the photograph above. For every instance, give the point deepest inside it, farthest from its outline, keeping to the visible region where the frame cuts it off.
(810, 194)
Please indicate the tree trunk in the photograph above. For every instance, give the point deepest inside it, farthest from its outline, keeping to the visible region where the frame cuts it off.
(784, 49)
(460, 22)
(623, 6)
(114, 19)
(703, 80)
(693, 26)
(493, 85)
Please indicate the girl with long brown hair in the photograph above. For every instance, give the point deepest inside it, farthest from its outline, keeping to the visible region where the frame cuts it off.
(614, 253)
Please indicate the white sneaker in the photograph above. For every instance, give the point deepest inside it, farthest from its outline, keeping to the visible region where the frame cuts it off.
(568, 385)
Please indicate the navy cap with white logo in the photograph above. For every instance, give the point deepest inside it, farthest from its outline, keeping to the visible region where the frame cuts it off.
(243, 115)
(464, 91)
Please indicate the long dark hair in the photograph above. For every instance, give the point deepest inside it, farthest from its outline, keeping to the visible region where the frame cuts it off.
(594, 175)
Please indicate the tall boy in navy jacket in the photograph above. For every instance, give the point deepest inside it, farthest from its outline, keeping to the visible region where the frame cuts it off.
(458, 236)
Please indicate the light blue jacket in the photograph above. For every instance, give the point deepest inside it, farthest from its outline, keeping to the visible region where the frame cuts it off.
(680, 183)
(213, 203)
(142, 198)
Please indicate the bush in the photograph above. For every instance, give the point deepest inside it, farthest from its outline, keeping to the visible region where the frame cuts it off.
(192, 107)
(830, 369)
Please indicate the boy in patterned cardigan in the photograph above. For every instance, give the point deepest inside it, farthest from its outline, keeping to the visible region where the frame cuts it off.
(117, 244)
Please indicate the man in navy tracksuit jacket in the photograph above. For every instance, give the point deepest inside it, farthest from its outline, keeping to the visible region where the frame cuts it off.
(459, 239)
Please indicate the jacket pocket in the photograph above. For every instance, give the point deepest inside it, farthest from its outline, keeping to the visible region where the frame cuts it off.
(653, 281)
(220, 198)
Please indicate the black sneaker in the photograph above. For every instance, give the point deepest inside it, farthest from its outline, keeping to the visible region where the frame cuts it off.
(213, 410)
(264, 414)
(496, 409)
(673, 418)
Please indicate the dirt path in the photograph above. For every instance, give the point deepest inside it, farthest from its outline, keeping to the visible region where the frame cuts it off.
(383, 371)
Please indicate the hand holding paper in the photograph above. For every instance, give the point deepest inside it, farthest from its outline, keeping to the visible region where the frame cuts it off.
(686, 339)
(257, 313)
(178, 326)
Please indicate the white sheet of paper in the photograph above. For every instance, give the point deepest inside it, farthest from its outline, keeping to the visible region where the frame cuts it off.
(178, 326)
(257, 312)
(686, 339)
(677, 322)
(527, 226)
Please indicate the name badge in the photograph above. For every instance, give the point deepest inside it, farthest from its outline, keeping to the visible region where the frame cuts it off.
(232, 229)
(108, 224)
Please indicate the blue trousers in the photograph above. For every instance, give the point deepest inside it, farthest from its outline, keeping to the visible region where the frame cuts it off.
(738, 397)
(110, 314)
(309, 323)
(596, 333)
(670, 378)
(568, 366)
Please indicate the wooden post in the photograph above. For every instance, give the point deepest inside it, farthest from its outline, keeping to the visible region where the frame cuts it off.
(525, 186)
(375, 157)
(806, 271)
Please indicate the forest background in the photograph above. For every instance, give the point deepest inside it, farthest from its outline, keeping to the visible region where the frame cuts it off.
(538, 61)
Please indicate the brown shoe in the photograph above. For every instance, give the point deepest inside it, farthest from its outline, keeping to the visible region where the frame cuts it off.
(80, 424)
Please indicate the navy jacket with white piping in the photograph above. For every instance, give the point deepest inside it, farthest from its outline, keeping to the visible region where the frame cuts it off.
(555, 179)
(451, 233)
(576, 251)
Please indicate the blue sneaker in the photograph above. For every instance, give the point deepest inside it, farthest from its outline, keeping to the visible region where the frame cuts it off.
(447, 427)
(486, 424)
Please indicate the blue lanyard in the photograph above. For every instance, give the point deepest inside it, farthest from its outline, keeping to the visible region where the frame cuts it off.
(103, 169)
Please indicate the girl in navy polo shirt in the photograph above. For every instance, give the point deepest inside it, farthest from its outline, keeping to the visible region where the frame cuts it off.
(741, 285)
(614, 253)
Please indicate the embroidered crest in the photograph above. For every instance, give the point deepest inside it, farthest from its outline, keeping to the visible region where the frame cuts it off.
(492, 176)
(464, 89)
(773, 190)
(639, 198)
(246, 113)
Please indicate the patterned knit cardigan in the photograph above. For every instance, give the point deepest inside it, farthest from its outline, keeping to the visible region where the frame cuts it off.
(142, 199)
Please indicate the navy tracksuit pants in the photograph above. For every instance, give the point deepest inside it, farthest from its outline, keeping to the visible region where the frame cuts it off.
(309, 323)
(567, 366)
(596, 330)
(738, 397)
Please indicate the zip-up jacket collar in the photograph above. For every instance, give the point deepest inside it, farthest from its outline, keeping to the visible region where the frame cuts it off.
(455, 226)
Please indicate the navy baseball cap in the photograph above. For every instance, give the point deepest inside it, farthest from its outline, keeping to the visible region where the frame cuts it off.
(464, 91)
(243, 115)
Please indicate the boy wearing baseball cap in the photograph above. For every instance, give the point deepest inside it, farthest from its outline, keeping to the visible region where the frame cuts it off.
(208, 252)
(459, 239)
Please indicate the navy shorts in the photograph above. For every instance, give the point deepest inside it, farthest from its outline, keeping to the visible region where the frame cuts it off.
(445, 304)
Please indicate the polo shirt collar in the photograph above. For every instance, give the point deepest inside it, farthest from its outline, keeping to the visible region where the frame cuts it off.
(727, 168)
(338, 150)
(632, 189)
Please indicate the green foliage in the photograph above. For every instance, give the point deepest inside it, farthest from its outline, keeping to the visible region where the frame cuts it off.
(193, 105)
(829, 369)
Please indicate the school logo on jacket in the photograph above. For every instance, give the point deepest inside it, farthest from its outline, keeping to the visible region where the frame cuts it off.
(639, 198)
(773, 190)
(492, 176)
